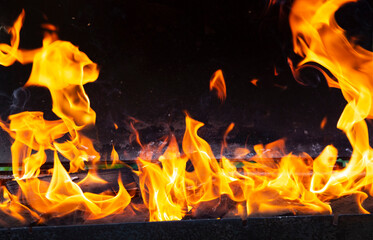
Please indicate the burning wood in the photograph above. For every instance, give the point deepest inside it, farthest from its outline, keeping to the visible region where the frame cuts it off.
(192, 182)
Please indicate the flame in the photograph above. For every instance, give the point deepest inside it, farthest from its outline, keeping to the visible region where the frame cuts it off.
(62, 196)
(323, 122)
(275, 72)
(163, 187)
(8, 54)
(217, 82)
(11, 206)
(135, 134)
(177, 184)
(114, 157)
(225, 144)
(254, 82)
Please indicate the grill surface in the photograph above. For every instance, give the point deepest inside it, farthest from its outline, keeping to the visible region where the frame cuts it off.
(294, 227)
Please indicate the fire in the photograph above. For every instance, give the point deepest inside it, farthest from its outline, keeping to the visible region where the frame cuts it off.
(254, 82)
(185, 183)
(163, 187)
(217, 82)
(8, 54)
(323, 122)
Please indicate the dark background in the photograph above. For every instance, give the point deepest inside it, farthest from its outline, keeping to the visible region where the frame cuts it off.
(156, 59)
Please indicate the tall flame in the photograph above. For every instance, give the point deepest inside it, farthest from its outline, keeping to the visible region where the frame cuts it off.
(63, 69)
(318, 38)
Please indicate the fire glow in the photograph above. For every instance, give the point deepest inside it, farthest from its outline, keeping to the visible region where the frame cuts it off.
(262, 184)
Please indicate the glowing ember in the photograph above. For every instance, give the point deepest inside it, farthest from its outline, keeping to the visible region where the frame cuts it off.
(188, 182)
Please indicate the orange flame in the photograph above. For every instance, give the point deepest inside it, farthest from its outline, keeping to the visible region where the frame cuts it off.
(275, 71)
(114, 157)
(225, 144)
(8, 54)
(323, 122)
(217, 82)
(10, 205)
(163, 188)
(62, 196)
(254, 82)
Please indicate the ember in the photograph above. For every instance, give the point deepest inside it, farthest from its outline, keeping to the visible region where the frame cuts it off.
(169, 183)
